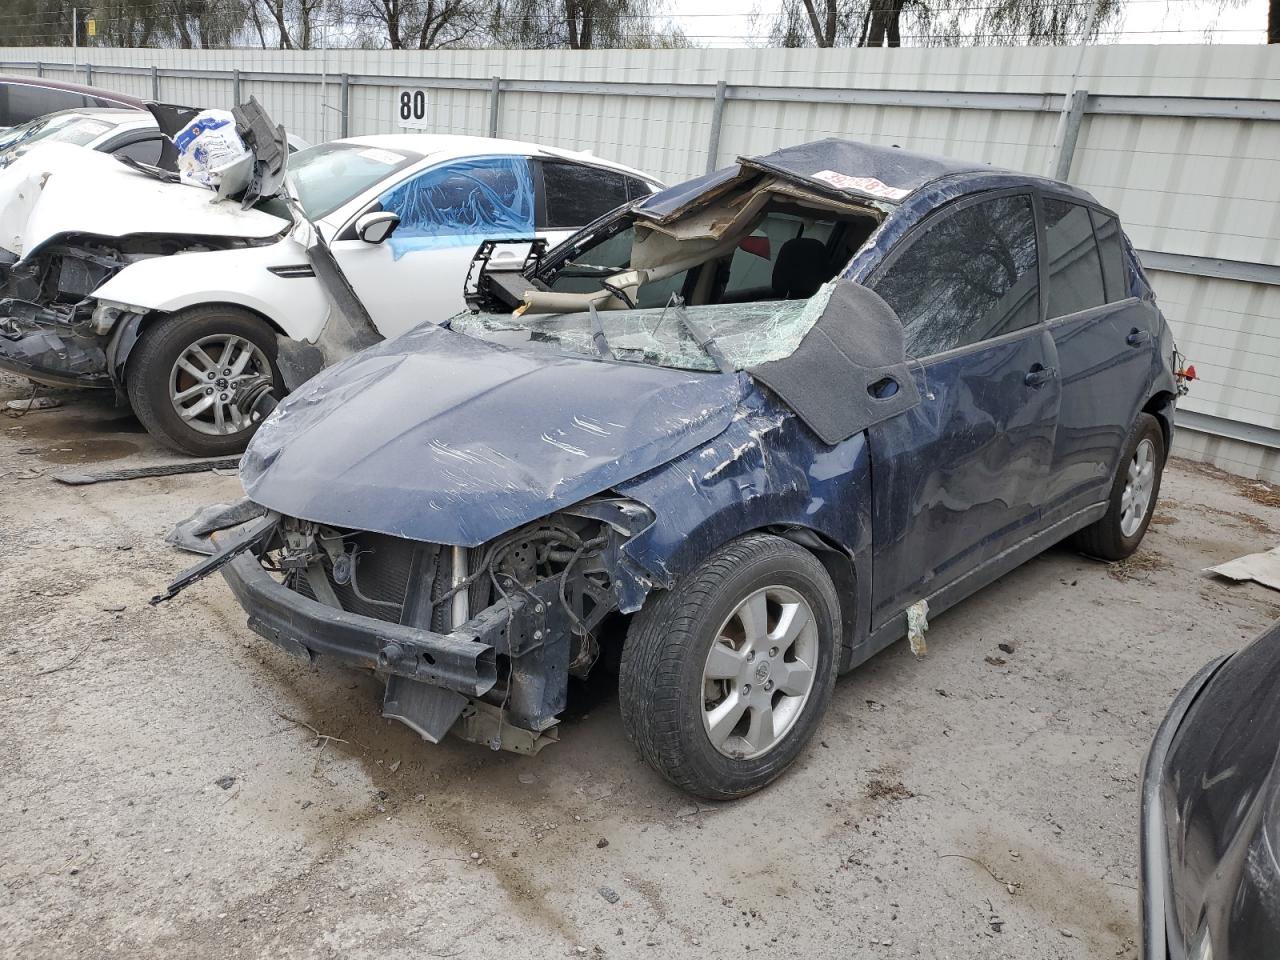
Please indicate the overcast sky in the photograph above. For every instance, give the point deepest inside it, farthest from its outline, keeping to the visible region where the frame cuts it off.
(728, 23)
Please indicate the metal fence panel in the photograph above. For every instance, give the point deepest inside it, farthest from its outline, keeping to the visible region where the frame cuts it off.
(1182, 141)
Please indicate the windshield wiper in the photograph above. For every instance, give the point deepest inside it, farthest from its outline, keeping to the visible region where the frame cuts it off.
(597, 334)
(699, 336)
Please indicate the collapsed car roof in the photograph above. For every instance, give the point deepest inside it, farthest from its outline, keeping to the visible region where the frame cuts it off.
(839, 168)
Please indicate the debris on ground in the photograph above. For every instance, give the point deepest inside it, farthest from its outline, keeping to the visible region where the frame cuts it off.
(610, 894)
(34, 403)
(1137, 566)
(917, 624)
(1263, 568)
(78, 478)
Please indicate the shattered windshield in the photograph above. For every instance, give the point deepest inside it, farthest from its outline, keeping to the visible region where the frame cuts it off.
(746, 334)
(325, 177)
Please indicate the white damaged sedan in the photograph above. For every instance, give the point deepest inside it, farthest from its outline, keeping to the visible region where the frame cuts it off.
(202, 311)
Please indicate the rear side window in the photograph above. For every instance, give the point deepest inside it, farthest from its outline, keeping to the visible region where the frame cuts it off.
(969, 276)
(637, 188)
(1107, 230)
(577, 194)
(1075, 272)
(20, 102)
(144, 151)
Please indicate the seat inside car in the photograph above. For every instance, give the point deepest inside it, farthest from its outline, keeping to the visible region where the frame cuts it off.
(801, 268)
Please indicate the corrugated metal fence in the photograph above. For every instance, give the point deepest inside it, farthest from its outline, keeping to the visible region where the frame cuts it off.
(1182, 141)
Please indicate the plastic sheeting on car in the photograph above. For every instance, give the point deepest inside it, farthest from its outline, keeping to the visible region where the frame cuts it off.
(461, 204)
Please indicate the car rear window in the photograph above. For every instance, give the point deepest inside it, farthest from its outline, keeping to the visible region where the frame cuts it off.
(577, 194)
(20, 102)
(1107, 230)
(1075, 271)
(968, 276)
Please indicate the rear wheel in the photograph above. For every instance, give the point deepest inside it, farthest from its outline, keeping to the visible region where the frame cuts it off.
(195, 378)
(725, 678)
(1133, 495)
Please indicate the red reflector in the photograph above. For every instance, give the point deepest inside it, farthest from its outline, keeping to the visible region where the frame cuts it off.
(1190, 373)
(756, 246)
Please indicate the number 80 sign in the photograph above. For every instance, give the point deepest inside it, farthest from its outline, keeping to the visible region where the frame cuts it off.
(411, 109)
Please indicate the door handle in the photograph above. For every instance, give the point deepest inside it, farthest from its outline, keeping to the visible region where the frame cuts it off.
(1137, 338)
(1039, 375)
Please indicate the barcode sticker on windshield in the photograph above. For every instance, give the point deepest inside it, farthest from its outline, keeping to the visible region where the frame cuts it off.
(381, 156)
(868, 185)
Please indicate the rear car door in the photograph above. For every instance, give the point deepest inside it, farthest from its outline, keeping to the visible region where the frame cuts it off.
(1104, 339)
(571, 195)
(445, 212)
(962, 476)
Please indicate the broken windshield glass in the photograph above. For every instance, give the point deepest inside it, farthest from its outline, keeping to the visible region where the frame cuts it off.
(747, 334)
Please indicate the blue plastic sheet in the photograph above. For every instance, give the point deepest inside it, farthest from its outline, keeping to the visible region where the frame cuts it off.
(461, 204)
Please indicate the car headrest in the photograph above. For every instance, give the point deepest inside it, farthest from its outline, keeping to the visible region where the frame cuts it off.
(801, 268)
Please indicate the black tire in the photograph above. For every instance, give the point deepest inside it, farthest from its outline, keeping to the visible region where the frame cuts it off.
(661, 684)
(155, 356)
(1105, 538)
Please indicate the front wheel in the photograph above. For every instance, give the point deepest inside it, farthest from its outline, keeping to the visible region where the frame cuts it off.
(725, 678)
(196, 380)
(1133, 495)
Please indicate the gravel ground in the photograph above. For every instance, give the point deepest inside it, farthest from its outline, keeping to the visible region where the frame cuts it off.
(172, 785)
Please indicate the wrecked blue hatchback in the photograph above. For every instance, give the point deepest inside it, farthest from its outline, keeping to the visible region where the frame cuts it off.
(727, 442)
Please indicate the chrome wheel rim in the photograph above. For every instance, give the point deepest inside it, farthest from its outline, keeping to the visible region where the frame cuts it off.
(1135, 500)
(210, 378)
(759, 673)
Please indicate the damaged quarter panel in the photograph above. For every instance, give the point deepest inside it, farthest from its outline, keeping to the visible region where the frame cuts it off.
(431, 456)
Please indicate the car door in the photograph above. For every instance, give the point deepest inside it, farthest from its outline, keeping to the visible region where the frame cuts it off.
(962, 476)
(1103, 338)
(445, 212)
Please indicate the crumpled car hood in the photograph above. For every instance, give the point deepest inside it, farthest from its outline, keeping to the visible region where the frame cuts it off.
(435, 436)
(57, 189)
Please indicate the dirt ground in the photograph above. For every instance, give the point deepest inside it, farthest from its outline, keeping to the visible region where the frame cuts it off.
(171, 785)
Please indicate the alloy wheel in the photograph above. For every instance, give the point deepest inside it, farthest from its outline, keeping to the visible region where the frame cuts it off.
(759, 672)
(211, 378)
(1135, 499)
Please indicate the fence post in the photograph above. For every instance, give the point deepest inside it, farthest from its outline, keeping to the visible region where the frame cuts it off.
(235, 86)
(717, 114)
(155, 83)
(345, 104)
(88, 73)
(39, 69)
(1070, 134)
(495, 84)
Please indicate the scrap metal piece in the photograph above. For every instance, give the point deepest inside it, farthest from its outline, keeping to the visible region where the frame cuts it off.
(78, 478)
(428, 710)
(484, 723)
(250, 536)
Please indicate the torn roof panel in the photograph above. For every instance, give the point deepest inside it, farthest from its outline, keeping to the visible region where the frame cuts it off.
(835, 167)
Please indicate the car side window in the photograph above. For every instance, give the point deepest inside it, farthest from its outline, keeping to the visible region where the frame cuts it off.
(637, 188)
(1075, 272)
(577, 194)
(968, 276)
(454, 204)
(1107, 230)
(20, 102)
(143, 151)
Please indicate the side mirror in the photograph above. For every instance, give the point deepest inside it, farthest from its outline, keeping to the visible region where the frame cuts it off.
(376, 227)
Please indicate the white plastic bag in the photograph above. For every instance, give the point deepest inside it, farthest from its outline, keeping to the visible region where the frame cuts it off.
(210, 150)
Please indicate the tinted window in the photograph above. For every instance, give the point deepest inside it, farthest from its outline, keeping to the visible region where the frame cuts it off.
(970, 276)
(1110, 249)
(20, 102)
(464, 200)
(637, 188)
(144, 151)
(1075, 272)
(578, 194)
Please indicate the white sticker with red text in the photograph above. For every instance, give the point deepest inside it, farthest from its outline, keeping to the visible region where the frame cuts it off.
(868, 185)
